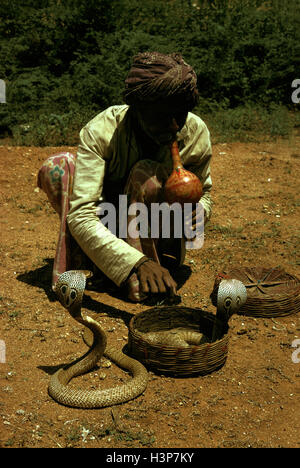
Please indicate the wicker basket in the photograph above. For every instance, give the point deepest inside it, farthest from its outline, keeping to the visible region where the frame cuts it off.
(195, 359)
(271, 292)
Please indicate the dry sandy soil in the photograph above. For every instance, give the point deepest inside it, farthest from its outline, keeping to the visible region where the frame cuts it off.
(252, 401)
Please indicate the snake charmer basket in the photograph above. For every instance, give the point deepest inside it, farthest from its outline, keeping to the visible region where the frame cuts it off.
(169, 359)
(271, 292)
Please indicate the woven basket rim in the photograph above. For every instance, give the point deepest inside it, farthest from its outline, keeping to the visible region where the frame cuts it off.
(205, 315)
(194, 359)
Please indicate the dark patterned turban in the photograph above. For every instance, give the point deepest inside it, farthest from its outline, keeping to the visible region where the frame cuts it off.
(155, 76)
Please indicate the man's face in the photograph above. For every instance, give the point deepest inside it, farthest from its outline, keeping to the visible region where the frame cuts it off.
(161, 121)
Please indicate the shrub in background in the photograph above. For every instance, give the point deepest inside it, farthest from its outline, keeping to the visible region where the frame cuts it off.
(65, 60)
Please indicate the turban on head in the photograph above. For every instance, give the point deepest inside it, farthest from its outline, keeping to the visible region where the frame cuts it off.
(155, 76)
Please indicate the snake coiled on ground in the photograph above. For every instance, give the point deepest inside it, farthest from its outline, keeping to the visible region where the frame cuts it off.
(70, 289)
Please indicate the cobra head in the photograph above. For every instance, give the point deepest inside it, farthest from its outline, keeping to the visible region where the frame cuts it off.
(70, 288)
(232, 294)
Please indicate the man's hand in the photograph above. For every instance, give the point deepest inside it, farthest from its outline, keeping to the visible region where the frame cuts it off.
(155, 279)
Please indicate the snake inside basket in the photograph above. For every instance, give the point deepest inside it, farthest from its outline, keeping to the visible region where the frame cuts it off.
(177, 340)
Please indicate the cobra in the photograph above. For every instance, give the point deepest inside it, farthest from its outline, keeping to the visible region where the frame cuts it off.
(231, 295)
(70, 289)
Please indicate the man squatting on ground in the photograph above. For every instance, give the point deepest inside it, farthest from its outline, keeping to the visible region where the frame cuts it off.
(126, 150)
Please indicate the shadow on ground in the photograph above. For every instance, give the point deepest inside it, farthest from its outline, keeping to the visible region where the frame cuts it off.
(42, 278)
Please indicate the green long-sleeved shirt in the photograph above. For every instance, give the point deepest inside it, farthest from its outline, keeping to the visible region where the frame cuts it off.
(107, 151)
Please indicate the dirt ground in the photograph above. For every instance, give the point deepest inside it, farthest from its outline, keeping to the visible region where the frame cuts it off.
(252, 401)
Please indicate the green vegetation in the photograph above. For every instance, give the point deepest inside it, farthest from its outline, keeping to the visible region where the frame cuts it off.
(63, 61)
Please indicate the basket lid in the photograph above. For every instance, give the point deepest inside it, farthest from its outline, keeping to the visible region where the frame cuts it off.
(270, 291)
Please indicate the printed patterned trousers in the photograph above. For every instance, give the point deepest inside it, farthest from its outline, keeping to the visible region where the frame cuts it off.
(144, 185)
